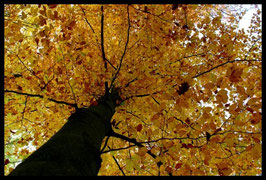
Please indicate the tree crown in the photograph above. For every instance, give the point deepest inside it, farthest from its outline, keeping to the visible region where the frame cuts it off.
(189, 83)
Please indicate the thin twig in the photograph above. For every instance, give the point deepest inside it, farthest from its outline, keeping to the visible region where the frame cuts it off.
(131, 81)
(68, 78)
(200, 54)
(251, 48)
(105, 59)
(158, 16)
(119, 166)
(31, 71)
(123, 148)
(105, 144)
(26, 100)
(237, 60)
(87, 19)
(122, 57)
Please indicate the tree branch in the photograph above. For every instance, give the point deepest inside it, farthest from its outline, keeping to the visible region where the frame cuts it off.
(31, 71)
(40, 96)
(119, 166)
(123, 148)
(200, 54)
(131, 81)
(102, 39)
(155, 15)
(26, 100)
(121, 60)
(134, 141)
(74, 96)
(250, 49)
(139, 95)
(105, 59)
(106, 141)
(87, 19)
(236, 60)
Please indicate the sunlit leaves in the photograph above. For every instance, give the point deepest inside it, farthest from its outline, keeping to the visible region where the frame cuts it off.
(190, 79)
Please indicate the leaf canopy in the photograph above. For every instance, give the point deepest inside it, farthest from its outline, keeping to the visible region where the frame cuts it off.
(189, 79)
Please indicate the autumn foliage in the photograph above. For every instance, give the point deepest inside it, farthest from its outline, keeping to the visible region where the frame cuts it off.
(188, 78)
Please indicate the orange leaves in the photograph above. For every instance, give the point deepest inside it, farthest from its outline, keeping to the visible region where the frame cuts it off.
(206, 112)
(52, 6)
(139, 127)
(142, 151)
(87, 87)
(156, 120)
(212, 125)
(224, 169)
(241, 90)
(71, 24)
(178, 165)
(181, 102)
(37, 40)
(162, 106)
(215, 139)
(209, 85)
(222, 96)
(207, 159)
(256, 118)
(234, 73)
(167, 144)
(42, 21)
(159, 59)
(229, 139)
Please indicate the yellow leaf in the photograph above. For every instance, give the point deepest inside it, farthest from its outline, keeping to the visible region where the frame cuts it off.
(156, 120)
(229, 139)
(223, 94)
(182, 132)
(162, 105)
(142, 151)
(225, 171)
(172, 125)
(212, 125)
(159, 159)
(207, 109)
(207, 159)
(155, 150)
(240, 90)
(205, 115)
(168, 144)
(129, 164)
(216, 139)
(209, 85)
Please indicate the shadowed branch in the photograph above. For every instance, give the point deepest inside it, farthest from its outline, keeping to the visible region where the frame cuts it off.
(40, 96)
(122, 57)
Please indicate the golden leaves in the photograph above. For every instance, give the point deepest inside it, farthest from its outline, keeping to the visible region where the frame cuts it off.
(234, 73)
(209, 85)
(165, 53)
(256, 118)
(156, 120)
(142, 151)
(222, 96)
(223, 169)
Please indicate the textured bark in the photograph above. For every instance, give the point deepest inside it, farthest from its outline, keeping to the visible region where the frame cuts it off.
(75, 148)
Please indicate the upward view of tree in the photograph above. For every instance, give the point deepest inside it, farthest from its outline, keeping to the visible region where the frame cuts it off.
(171, 89)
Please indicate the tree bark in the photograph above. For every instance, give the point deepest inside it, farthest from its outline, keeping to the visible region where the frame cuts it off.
(75, 149)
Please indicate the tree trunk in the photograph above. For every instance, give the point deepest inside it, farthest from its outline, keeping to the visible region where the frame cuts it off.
(75, 148)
